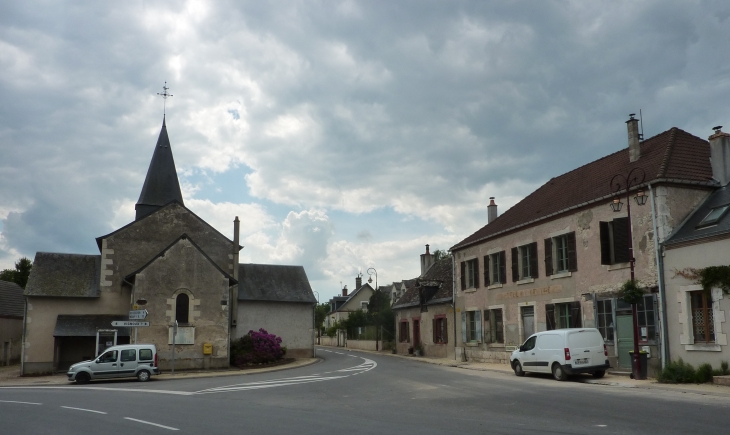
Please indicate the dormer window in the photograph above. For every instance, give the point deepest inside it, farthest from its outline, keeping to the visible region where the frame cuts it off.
(714, 216)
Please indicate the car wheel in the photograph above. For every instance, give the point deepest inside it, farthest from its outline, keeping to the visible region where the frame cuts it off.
(598, 374)
(82, 378)
(143, 376)
(517, 367)
(558, 373)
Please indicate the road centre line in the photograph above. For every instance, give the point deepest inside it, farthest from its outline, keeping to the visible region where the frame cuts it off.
(82, 409)
(150, 423)
(24, 403)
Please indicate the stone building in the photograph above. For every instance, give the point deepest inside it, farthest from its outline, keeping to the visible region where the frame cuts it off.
(169, 262)
(12, 307)
(558, 257)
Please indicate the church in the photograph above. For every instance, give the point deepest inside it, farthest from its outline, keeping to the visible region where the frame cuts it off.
(182, 274)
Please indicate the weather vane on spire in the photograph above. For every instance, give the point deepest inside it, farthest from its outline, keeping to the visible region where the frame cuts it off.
(164, 95)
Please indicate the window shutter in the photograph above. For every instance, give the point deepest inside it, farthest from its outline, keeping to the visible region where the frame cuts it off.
(572, 253)
(548, 257)
(478, 321)
(476, 272)
(621, 240)
(502, 268)
(605, 243)
(463, 326)
(533, 260)
(550, 316)
(433, 331)
(487, 327)
(515, 266)
(576, 320)
(487, 268)
(446, 330)
(463, 275)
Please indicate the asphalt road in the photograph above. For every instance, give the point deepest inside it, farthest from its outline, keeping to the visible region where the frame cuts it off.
(358, 393)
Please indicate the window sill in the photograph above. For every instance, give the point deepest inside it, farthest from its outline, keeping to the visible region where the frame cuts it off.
(495, 345)
(561, 275)
(472, 344)
(470, 290)
(525, 281)
(619, 266)
(493, 286)
(709, 347)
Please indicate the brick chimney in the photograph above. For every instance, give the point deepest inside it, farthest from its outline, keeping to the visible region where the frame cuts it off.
(634, 139)
(358, 281)
(720, 155)
(427, 261)
(491, 210)
(344, 291)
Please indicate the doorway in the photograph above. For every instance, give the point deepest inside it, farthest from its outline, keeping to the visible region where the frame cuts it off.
(528, 321)
(625, 338)
(105, 338)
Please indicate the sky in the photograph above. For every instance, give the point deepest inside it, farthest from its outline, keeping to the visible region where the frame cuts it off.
(346, 135)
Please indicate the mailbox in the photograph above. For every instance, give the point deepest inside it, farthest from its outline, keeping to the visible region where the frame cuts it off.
(207, 349)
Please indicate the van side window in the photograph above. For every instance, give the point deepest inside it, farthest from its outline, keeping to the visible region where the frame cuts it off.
(145, 354)
(529, 344)
(129, 355)
(110, 356)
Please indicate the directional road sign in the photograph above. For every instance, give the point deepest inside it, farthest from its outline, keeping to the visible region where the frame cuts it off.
(129, 323)
(138, 314)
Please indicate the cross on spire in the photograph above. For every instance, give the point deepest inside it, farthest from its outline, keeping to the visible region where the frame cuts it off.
(164, 94)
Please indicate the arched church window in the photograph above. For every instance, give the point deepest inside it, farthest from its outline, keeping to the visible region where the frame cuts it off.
(182, 307)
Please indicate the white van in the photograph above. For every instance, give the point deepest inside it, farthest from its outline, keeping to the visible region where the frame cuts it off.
(562, 352)
(138, 360)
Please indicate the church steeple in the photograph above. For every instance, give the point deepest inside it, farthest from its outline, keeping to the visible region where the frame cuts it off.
(161, 185)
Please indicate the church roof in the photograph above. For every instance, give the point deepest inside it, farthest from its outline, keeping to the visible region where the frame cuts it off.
(64, 275)
(12, 301)
(274, 283)
(161, 186)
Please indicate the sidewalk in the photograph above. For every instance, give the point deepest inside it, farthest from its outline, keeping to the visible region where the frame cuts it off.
(609, 379)
(10, 376)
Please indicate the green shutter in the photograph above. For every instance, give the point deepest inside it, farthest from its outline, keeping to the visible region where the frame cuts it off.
(463, 326)
(478, 321)
(548, 257)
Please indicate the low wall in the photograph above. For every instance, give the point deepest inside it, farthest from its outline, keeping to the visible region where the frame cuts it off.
(486, 356)
(361, 344)
(328, 341)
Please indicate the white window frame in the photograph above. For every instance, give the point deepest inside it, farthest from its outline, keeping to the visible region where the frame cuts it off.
(521, 251)
(686, 337)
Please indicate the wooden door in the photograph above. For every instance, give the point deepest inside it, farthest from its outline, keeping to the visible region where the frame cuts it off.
(625, 336)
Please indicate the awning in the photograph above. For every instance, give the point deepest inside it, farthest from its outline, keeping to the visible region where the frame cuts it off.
(86, 325)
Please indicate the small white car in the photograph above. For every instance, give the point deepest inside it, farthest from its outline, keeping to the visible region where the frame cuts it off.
(562, 352)
(138, 360)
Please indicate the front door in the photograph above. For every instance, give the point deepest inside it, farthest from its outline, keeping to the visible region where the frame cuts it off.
(528, 321)
(416, 333)
(625, 335)
(107, 365)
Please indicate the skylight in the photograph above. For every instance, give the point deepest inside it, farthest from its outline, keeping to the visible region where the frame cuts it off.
(714, 215)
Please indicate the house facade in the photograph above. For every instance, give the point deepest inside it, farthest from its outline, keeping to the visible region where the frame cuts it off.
(12, 309)
(558, 257)
(172, 264)
(424, 314)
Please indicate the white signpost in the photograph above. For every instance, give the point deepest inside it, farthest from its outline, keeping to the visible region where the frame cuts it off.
(138, 314)
(129, 323)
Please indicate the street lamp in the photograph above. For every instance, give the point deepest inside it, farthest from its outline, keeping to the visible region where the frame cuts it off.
(372, 272)
(618, 183)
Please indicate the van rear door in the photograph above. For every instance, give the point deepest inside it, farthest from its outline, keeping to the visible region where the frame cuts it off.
(586, 348)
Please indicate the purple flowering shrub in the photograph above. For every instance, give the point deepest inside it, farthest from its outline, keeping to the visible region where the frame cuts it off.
(256, 347)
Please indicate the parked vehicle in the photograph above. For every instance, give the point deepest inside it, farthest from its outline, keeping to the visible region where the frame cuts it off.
(562, 352)
(138, 360)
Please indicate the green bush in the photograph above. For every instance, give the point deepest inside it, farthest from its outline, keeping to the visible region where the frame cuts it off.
(704, 373)
(677, 372)
(724, 368)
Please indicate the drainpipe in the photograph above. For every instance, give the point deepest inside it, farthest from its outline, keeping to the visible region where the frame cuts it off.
(660, 279)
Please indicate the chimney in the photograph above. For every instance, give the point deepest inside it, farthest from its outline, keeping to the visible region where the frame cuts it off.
(427, 261)
(634, 144)
(720, 155)
(358, 281)
(344, 291)
(491, 210)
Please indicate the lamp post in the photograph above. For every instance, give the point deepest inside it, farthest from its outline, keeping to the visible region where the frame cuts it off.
(620, 182)
(371, 271)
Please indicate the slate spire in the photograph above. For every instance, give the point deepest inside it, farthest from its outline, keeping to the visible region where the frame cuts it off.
(161, 185)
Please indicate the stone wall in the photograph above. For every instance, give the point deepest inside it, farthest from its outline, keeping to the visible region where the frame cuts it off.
(292, 321)
(11, 336)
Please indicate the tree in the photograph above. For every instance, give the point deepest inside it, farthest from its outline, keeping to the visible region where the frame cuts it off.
(440, 254)
(320, 313)
(381, 315)
(20, 274)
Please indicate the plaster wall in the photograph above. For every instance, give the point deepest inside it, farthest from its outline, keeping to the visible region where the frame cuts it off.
(355, 302)
(591, 280)
(184, 269)
(681, 337)
(11, 336)
(430, 349)
(292, 321)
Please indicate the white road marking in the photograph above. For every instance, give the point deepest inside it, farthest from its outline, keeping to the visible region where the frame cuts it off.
(601, 425)
(82, 409)
(338, 353)
(24, 403)
(135, 390)
(150, 423)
